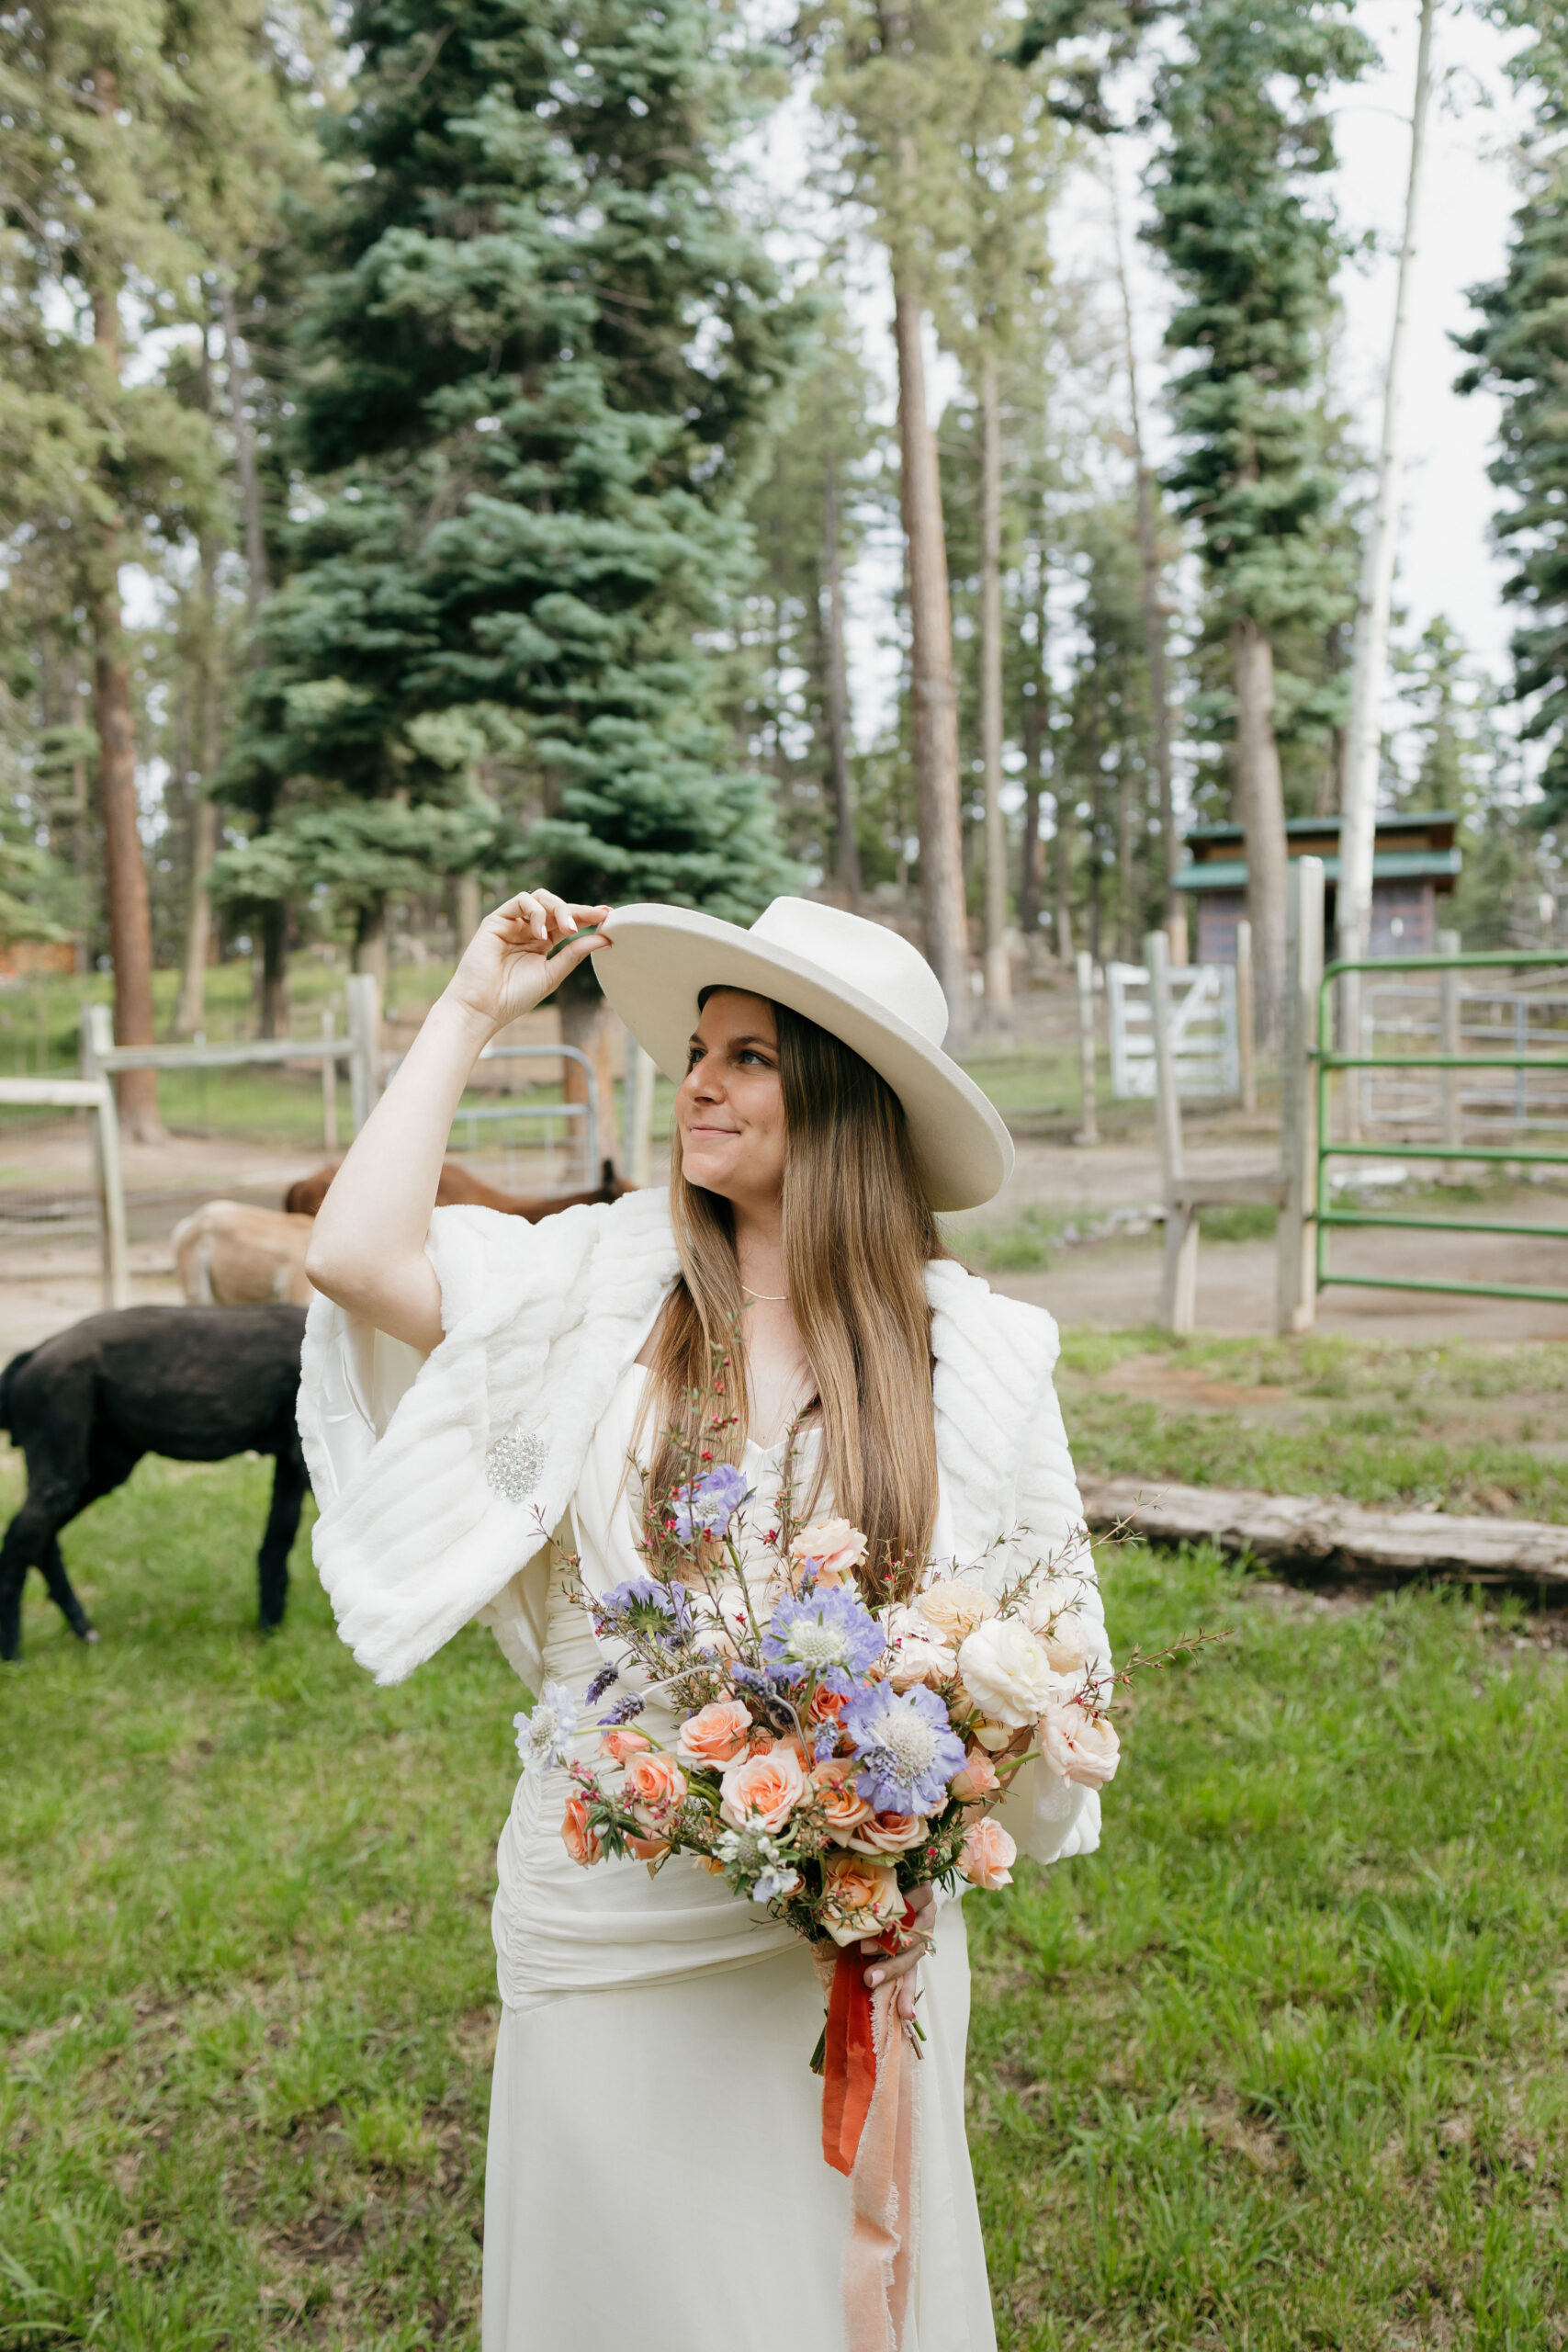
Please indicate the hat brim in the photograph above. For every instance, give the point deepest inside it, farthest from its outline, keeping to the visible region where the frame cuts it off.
(660, 959)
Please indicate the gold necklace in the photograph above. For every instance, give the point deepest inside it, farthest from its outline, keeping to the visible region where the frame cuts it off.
(765, 1297)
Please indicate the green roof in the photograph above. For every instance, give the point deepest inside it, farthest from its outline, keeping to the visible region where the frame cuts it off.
(1388, 865)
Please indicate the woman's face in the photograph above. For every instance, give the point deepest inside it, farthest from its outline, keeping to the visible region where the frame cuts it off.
(729, 1107)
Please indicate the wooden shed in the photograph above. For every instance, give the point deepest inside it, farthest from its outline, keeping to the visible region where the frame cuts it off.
(1414, 863)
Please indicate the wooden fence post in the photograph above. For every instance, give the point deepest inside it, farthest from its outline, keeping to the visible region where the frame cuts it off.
(364, 1032)
(1296, 1302)
(1088, 1129)
(1245, 1015)
(1179, 1282)
(95, 1035)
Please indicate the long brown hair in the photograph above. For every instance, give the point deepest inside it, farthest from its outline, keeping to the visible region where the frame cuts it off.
(857, 1236)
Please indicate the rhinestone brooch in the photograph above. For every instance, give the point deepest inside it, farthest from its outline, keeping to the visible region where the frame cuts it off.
(513, 1464)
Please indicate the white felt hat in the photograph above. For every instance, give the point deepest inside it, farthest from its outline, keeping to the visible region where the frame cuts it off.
(855, 978)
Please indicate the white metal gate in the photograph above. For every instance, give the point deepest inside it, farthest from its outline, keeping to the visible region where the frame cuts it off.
(1203, 1031)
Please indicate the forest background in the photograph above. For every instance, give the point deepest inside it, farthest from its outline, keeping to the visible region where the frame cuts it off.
(430, 456)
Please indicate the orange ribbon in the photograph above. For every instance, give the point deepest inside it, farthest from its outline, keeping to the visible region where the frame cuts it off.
(868, 2132)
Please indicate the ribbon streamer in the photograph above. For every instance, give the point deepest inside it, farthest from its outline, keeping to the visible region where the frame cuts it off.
(868, 2132)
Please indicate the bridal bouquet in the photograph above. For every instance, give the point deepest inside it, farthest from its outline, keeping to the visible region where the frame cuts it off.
(831, 1753)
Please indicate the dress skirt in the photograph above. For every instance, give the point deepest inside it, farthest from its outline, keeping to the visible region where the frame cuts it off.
(655, 2174)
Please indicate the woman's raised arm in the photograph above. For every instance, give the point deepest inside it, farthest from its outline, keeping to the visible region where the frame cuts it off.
(367, 1250)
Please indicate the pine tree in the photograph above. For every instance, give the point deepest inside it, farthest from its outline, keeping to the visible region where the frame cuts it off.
(530, 384)
(1242, 220)
(808, 514)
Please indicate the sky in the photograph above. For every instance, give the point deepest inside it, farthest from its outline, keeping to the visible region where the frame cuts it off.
(1446, 563)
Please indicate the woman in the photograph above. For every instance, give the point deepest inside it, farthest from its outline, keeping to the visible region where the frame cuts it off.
(654, 2171)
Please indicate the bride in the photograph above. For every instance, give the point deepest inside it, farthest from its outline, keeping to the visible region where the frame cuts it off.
(473, 1385)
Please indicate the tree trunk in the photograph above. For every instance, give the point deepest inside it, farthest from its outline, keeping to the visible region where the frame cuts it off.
(272, 970)
(1262, 802)
(846, 849)
(370, 943)
(1062, 863)
(998, 979)
(470, 911)
(1353, 909)
(1153, 625)
(1129, 927)
(125, 871)
(933, 699)
(190, 1013)
(240, 424)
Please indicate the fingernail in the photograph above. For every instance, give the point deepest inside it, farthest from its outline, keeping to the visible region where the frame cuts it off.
(873, 1978)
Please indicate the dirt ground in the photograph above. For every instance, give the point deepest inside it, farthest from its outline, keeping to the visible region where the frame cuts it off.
(48, 1280)
(1114, 1284)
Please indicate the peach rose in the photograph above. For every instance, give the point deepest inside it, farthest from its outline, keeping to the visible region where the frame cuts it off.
(620, 1743)
(954, 1607)
(761, 1792)
(836, 1547)
(834, 1783)
(649, 1849)
(889, 1833)
(826, 1705)
(653, 1787)
(576, 1835)
(979, 1779)
(860, 1897)
(986, 1855)
(1080, 1746)
(716, 1734)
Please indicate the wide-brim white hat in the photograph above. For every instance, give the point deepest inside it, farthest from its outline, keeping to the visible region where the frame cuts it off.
(857, 980)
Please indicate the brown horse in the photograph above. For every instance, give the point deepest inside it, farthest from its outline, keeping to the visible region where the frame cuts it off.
(457, 1186)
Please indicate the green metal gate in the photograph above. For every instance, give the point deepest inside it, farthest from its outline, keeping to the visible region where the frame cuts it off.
(1389, 968)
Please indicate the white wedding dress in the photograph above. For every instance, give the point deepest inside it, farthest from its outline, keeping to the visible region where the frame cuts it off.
(655, 2174)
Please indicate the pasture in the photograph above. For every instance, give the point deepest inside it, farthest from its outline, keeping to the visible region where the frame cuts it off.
(1284, 2066)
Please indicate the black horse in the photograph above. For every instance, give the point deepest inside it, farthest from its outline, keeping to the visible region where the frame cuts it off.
(194, 1383)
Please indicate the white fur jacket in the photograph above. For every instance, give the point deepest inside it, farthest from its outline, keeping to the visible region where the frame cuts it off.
(439, 1479)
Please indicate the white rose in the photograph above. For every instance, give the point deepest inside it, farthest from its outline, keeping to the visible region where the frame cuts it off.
(1008, 1674)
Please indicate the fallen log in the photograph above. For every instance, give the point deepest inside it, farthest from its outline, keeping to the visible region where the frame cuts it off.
(1324, 1536)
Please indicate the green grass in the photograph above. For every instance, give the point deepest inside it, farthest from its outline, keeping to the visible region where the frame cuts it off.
(1282, 2066)
(1395, 1425)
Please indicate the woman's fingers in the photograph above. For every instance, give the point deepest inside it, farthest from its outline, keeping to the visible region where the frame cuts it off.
(543, 919)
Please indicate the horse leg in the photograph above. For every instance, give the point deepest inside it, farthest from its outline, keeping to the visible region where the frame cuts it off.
(282, 1527)
(62, 1592)
(28, 1541)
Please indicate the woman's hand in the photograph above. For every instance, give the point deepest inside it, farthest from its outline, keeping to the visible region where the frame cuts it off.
(507, 967)
(890, 1965)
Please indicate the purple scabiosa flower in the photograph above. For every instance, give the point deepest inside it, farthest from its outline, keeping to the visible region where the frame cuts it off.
(644, 1605)
(831, 1634)
(709, 1503)
(908, 1751)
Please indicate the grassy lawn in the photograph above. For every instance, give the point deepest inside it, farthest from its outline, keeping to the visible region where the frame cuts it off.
(1459, 1428)
(1282, 2066)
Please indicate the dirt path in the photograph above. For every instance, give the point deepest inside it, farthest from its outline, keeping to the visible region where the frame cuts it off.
(1115, 1284)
